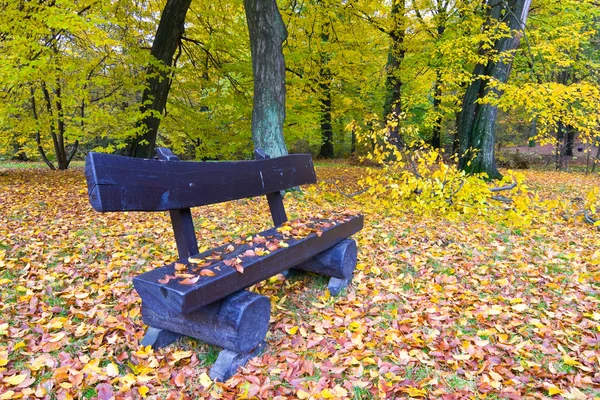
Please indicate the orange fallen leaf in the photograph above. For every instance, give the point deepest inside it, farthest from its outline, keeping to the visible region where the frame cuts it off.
(189, 281)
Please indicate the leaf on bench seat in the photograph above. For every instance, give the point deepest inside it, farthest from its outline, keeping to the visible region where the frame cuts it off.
(189, 281)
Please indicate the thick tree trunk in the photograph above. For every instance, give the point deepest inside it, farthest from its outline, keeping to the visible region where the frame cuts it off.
(570, 139)
(477, 121)
(167, 39)
(267, 33)
(393, 107)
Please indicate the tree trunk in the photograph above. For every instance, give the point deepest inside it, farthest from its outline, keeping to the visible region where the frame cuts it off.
(477, 121)
(167, 39)
(393, 107)
(570, 140)
(532, 132)
(325, 86)
(436, 137)
(267, 33)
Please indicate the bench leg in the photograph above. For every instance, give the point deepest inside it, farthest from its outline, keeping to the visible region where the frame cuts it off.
(239, 322)
(158, 338)
(337, 262)
(336, 285)
(229, 361)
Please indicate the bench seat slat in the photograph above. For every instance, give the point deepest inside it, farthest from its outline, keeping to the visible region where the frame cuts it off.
(175, 299)
(117, 183)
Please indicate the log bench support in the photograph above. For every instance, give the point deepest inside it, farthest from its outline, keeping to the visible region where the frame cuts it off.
(217, 309)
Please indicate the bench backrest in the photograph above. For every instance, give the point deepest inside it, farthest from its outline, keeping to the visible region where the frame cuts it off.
(117, 183)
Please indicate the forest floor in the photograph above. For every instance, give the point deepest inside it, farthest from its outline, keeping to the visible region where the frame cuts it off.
(438, 308)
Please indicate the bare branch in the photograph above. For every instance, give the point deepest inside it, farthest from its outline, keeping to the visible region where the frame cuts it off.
(499, 189)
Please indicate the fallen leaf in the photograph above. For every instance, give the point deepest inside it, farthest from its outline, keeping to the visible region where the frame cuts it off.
(189, 281)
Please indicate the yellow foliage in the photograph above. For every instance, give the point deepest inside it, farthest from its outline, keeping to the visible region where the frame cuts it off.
(418, 179)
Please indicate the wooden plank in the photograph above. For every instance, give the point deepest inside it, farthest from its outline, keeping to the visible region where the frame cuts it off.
(118, 183)
(181, 299)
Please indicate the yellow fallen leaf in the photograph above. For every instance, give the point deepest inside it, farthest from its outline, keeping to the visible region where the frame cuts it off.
(205, 380)
(327, 394)
(178, 355)
(15, 380)
(292, 330)
(340, 392)
(19, 345)
(552, 390)
(3, 358)
(570, 361)
(461, 357)
(112, 369)
(520, 307)
(7, 395)
(143, 391)
(415, 392)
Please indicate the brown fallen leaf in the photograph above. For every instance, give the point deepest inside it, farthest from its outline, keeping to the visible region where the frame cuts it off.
(166, 279)
(207, 272)
(180, 267)
(189, 281)
(200, 266)
(249, 253)
(178, 275)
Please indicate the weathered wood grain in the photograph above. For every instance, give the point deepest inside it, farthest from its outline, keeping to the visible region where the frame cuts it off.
(118, 183)
(181, 299)
(238, 322)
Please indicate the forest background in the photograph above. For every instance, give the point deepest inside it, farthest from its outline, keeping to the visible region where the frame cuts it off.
(74, 73)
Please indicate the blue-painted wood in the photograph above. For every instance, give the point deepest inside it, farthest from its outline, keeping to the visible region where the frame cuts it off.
(117, 183)
(175, 298)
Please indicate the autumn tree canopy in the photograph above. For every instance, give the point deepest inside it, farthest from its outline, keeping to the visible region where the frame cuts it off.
(79, 75)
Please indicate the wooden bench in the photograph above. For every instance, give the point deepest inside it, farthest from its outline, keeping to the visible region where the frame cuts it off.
(202, 295)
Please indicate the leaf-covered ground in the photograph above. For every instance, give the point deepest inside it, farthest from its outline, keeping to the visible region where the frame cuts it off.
(439, 308)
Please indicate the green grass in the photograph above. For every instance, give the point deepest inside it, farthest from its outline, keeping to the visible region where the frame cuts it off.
(361, 394)
(33, 164)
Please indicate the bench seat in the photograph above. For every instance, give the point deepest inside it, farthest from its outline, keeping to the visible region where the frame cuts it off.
(175, 298)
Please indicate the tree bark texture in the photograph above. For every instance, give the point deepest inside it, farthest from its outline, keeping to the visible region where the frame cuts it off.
(393, 106)
(477, 121)
(325, 86)
(436, 137)
(167, 39)
(267, 33)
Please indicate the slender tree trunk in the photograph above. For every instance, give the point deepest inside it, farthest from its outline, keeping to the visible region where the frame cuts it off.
(532, 132)
(393, 106)
(325, 89)
(477, 121)
(436, 137)
(267, 33)
(167, 39)
(38, 139)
